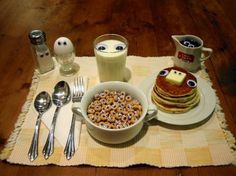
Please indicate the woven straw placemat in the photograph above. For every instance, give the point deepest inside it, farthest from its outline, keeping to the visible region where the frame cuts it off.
(156, 145)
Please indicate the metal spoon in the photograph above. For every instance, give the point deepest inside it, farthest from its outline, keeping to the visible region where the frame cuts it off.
(42, 103)
(60, 97)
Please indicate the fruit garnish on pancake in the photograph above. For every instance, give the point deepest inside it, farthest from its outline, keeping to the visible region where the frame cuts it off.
(175, 90)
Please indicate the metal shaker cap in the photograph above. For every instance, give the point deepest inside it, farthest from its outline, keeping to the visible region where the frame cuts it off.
(37, 37)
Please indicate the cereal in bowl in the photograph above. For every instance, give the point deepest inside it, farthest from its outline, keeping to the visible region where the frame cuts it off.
(114, 109)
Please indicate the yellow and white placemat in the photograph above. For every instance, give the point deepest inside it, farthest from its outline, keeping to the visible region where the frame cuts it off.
(156, 145)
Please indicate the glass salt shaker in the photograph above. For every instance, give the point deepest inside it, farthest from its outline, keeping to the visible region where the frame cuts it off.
(41, 51)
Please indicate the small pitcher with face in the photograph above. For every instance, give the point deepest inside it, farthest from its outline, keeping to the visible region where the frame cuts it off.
(190, 52)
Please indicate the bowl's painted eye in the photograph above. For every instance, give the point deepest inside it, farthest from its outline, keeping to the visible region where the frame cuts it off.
(191, 83)
(101, 47)
(163, 72)
(120, 47)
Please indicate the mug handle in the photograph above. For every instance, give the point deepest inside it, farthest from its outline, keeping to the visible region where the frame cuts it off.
(151, 112)
(207, 50)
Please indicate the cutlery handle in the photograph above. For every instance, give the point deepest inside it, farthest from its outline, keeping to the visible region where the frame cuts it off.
(70, 144)
(33, 150)
(49, 145)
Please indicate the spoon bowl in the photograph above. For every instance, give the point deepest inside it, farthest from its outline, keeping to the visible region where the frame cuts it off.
(42, 103)
(61, 94)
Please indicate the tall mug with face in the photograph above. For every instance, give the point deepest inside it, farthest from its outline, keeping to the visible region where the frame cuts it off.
(111, 52)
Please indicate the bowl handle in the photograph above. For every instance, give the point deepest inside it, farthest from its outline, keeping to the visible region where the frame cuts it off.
(151, 112)
(76, 110)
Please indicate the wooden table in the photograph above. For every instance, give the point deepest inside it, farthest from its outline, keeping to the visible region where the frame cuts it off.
(148, 26)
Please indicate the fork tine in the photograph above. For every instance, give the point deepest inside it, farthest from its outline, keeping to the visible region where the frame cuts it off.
(76, 86)
(82, 86)
(79, 90)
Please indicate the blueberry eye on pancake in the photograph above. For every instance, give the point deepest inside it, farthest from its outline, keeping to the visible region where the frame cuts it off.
(191, 83)
(175, 90)
(163, 72)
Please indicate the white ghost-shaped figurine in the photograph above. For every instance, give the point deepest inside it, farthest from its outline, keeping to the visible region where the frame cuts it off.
(65, 55)
(63, 46)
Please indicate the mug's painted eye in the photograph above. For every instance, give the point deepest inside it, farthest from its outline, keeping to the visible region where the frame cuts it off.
(120, 47)
(59, 43)
(64, 43)
(191, 83)
(101, 47)
(163, 72)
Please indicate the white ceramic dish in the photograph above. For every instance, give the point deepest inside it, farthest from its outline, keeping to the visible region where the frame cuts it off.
(116, 136)
(196, 115)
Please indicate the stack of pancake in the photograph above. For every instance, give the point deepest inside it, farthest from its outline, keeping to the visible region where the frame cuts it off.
(175, 97)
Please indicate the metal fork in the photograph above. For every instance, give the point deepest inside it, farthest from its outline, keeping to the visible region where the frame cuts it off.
(78, 92)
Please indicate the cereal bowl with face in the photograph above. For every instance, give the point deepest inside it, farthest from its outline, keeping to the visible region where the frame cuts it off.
(114, 112)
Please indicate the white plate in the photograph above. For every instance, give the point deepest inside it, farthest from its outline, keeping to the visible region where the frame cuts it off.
(196, 115)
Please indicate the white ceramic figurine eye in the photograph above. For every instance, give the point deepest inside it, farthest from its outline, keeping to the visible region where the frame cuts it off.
(62, 46)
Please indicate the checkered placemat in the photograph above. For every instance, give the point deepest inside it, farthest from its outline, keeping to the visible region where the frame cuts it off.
(156, 145)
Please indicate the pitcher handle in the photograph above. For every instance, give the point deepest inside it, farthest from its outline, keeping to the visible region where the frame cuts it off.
(206, 50)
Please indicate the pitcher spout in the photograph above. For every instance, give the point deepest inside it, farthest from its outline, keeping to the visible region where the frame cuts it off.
(177, 39)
